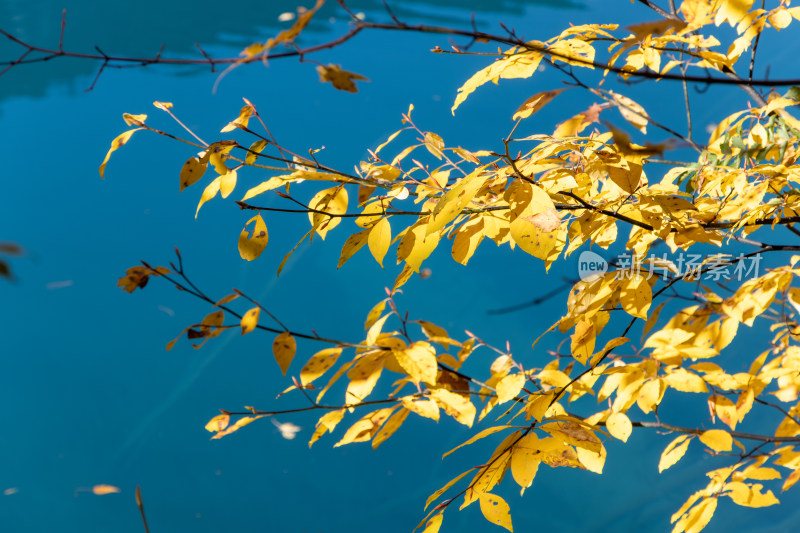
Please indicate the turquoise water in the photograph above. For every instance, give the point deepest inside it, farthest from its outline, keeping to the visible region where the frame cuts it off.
(90, 394)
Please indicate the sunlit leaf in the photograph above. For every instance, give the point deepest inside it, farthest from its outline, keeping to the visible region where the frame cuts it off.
(117, 143)
(673, 452)
(218, 423)
(717, 439)
(320, 362)
(101, 490)
(283, 348)
(496, 510)
(379, 239)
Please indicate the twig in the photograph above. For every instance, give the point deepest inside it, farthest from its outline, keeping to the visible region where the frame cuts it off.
(140, 505)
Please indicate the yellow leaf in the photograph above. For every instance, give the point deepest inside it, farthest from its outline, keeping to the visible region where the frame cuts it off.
(134, 120)
(496, 510)
(288, 255)
(252, 243)
(289, 35)
(755, 472)
(673, 452)
(717, 439)
(319, 363)
(416, 245)
(572, 126)
(454, 200)
(209, 192)
(375, 329)
(432, 498)
(455, 405)
(341, 79)
(419, 361)
(619, 425)
(379, 239)
(117, 143)
(468, 236)
(635, 296)
(433, 525)
(791, 479)
(732, 11)
(610, 345)
(700, 515)
(325, 203)
(632, 112)
(218, 423)
(245, 420)
(228, 183)
(353, 244)
(514, 64)
(591, 460)
(325, 424)
(101, 490)
(363, 376)
(253, 151)
(526, 458)
(426, 408)
(270, 184)
(650, 395)
(283, 348)
(244, 117)
(485, 433)
(781, 18)
(250, 320)
(682, 380)
(652, 319)
(508, 387)
(374, 314)
(725, 409)
(527, 233)
(218, 153)
(750, 495)
(192, 171)
(535, 103)
(366, 427)
(582, 345)
(434, 144)
(391, 425)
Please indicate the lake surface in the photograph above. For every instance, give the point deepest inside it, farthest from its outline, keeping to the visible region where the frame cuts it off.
(90, 394)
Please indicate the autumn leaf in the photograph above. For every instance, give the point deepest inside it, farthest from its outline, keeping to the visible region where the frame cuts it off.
(283, 348)
(379, 239)
(619, 425)
(116, 144)
(673, 452)
(101, 490)
(535, 103)
(341, 79)
(496, 510)
(252, 243)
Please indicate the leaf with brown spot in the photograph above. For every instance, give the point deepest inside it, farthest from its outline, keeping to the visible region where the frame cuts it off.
(192, 171)
(283, 348)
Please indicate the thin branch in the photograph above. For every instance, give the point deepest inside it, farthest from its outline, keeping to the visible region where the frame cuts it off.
(665, 14)
(358, 26)
(755, 48)
(734, 434)
(140, 505)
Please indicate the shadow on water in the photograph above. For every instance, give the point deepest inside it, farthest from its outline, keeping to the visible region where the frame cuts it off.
(141, 28)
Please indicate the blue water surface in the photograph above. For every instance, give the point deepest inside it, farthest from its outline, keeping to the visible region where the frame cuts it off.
(91, 396)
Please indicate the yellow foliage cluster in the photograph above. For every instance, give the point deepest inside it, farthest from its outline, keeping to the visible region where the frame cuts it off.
(551, 195)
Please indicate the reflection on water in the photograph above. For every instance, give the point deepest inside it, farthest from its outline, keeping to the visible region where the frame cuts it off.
(141, 28)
